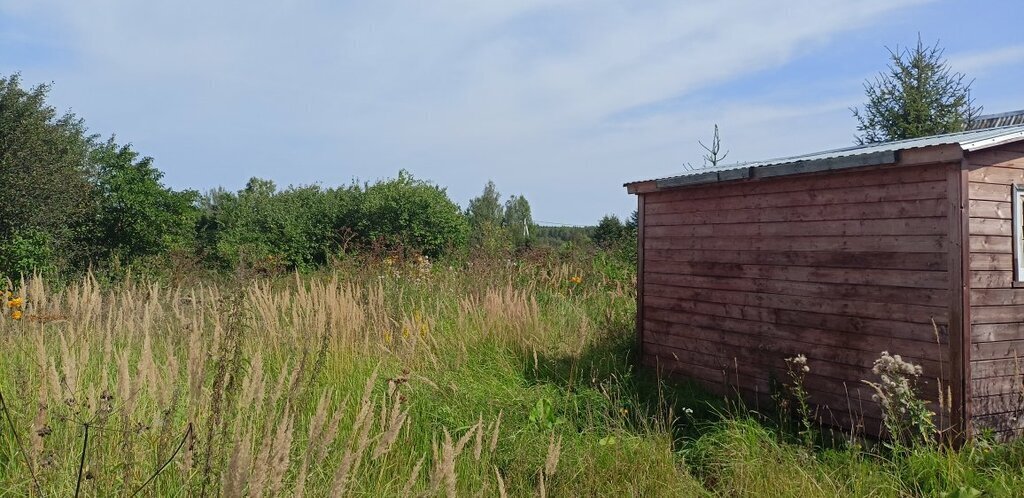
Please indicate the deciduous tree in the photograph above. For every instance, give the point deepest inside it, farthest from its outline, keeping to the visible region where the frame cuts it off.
(45, 195)
(518, 221)
(485, 209)
(485, 215)
(138, 216)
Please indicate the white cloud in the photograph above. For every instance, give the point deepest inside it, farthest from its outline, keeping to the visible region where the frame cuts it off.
(529, 93)
(979, 63)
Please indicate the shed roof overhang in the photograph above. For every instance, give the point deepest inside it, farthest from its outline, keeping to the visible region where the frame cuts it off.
(925, 150)
(934, 154)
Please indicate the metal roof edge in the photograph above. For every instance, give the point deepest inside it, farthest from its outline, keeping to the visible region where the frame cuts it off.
(999, 115)
(782, 169)
(994, 141)
(827, 164)
(897, 152)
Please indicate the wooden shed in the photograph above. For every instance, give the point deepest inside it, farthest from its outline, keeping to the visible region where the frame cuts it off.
(911, 247)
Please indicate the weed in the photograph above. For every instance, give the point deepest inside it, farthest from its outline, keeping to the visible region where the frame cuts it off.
(907, 417)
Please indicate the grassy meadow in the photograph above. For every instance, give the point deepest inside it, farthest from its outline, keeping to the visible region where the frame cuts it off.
(401, 378)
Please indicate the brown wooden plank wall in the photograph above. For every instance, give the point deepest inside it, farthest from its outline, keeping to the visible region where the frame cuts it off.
(837, 266)
(997, 307)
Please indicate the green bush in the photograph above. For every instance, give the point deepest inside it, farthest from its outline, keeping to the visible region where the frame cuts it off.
(26, 252)
(304, 227)
(409, 214)
(300, 227)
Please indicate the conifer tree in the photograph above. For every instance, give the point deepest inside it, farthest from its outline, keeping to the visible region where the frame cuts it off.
(918, 96)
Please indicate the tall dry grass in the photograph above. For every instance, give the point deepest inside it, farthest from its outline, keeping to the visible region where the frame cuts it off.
(498, 380)
(329, 385)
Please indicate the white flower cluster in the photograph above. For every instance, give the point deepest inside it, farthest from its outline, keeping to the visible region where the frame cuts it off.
(898, 379)
(894, 364)
(798, 363)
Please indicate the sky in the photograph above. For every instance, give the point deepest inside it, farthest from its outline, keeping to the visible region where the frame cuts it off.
(562, 101)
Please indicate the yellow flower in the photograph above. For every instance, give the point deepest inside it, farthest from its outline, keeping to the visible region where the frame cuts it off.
(16, 314)
(16, 302)
(576, 279)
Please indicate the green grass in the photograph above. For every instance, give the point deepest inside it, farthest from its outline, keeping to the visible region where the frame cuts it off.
(455, 350)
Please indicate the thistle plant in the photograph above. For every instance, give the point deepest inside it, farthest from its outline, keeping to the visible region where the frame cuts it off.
(906, 416)
(794, 397)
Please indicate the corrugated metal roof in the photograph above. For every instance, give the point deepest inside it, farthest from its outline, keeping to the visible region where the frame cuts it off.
(847, 157)
(1011, 118)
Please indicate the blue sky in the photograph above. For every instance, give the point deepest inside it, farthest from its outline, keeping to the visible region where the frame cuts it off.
(561, 100)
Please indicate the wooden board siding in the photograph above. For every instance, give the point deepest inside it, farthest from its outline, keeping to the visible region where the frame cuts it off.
(839, 267)
(996, 306)
(959, 391)
(640, 261)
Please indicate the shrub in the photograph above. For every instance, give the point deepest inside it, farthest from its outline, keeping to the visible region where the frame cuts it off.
(303, 227)
(300, 227)
(26, 252)
(409, 214)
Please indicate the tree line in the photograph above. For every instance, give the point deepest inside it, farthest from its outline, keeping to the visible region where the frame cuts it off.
(72, 201)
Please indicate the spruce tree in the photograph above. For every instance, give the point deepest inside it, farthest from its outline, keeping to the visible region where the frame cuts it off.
(918, 96)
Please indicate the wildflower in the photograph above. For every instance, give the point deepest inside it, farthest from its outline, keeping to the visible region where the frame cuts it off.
(905, 415)
(16, 314)
(16, 302)
(576, 279)
(799, 363)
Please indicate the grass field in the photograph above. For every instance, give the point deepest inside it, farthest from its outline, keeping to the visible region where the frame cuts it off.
(400, 379)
